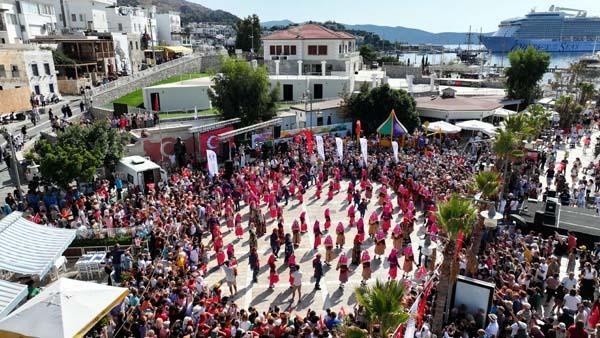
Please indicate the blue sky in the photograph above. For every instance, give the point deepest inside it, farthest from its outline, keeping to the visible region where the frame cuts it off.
(431, 15)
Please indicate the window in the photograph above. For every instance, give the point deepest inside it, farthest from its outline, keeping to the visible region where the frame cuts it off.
(47, 68)
(312, 50)
(2, 25)
(51, 87)
(278, 50)
(340, 49)
(320, 121)
(14, 69)
(37, 89)
(130, 44)
(81, 17)
(322, 50)
(12, 19)
(293, 50)
(286, 50)
(74, 17)
(34, 69)
(272, 50)
(137, 47)
(60, 18)
(2, 71)
(120, 27)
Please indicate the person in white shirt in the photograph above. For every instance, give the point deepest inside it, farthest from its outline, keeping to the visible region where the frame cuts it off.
(297, 284)
(572, 300)
(569, 282)
(492, 329)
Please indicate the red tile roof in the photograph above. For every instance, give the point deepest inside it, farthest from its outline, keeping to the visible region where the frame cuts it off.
(308, 31)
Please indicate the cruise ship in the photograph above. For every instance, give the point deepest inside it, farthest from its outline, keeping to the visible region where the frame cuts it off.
(557, 30)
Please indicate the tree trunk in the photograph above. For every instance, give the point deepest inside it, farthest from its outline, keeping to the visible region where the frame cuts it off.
(443, 287)
(476, 237)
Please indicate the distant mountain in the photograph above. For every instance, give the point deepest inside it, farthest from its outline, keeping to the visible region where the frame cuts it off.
(189, 11)
(402, 34)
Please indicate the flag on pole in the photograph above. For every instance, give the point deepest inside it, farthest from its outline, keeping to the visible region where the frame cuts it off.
(395, 150)
(363, 149)
(195, 112)
(340, 147)
(211, 162)
(358, 128)
(320, 147)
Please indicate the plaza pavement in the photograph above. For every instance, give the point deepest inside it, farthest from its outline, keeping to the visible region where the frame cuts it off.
(259, 295)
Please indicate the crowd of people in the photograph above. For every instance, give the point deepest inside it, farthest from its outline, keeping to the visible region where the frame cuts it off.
(179, 243)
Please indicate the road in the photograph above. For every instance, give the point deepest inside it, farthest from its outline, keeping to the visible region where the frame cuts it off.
(33, 133)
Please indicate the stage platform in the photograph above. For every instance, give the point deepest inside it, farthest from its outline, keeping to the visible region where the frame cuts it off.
(581, 221)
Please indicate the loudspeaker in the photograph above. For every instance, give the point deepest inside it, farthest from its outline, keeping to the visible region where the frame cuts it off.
(550, 208)
(228, 169)
(549, 219)
(551, 193)
(538, 218)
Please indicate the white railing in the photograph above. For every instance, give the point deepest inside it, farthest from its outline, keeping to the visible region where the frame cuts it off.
(144, 73)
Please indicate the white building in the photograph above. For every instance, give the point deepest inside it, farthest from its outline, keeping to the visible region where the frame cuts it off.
(21, 21)
(311, 50)
(133, 20)
(179, 96)
(168, 26)
(317, 114)
(34, 67)
(83, 15)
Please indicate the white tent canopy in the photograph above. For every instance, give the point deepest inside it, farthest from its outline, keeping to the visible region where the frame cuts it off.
(11, 294)
(476, 125)
(66, 308)
(443, 127)
(28, 248)
(505, 113)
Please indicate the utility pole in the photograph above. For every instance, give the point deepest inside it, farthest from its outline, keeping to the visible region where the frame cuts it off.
(9, 139)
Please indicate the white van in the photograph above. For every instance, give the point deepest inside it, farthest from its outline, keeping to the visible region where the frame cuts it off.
(140, 171)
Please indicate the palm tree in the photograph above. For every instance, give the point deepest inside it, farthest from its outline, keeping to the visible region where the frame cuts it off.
(454, 216)
(383, 305)
(538, 120)
(351, 331)
(586, 92)
(506, 146)
(519, 125)
(568, 110)
(487, 183)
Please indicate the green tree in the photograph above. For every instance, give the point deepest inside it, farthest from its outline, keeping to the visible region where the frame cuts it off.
(454, 216)
(527, 67)
(587, 91)
(372, 107)
(568, 110)
(383, 305)
(368, 53)
(506, 146)
(78, 153)
(241, 91)
(487, 183)
(538, 120)
(248, 33)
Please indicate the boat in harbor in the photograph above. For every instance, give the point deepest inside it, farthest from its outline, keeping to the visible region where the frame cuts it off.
(557, 30)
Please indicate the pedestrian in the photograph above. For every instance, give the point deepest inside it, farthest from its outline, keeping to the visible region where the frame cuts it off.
(296, 283)
(273, 275)
(230, 277)
(116, 255)
(318, 268)
(274, 242)
(254, 264)
(340, 238)
(344, 270)
(366, 267)
(328, 250)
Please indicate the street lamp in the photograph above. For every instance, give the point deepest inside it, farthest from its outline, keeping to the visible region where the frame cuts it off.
(10, 140)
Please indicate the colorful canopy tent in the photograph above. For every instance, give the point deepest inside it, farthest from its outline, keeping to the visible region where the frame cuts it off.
(11, 294)
(392, 127)
(28, 248)
(476, 125)
(443, 127)
(66, 308)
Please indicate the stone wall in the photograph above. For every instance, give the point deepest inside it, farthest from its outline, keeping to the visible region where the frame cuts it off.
(193, 65)
(14, 100)
(397, 71)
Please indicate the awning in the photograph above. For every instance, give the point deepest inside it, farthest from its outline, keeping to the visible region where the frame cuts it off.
(505, 113)
(11, 294)
(179, 49)
(476, 125)
(28, 248)
(66, 308)
(443, 127)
